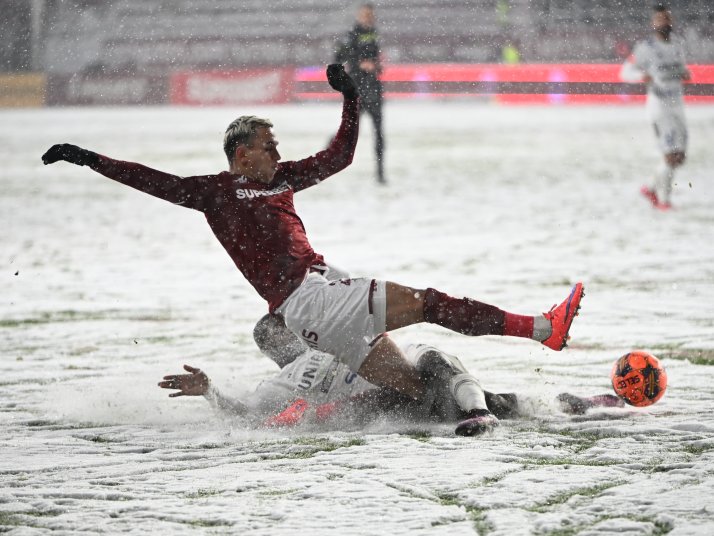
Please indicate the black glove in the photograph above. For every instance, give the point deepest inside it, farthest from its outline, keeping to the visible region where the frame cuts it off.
(70, 153)
(341, 81)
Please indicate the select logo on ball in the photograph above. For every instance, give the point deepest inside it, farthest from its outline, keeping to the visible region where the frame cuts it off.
(639, 378)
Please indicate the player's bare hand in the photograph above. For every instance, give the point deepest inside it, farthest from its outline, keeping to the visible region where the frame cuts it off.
(69, 153)
(340, 81)
(369, 66)
(194, 384)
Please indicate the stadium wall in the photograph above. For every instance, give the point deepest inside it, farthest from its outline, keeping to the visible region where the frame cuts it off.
(22, 90)
(547, 84)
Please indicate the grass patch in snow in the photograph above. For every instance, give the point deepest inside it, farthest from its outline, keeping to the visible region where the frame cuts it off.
(476, 513)
(206, 523)
(277, 492)
(696, 356)
(564, 460)
(561, 498)
(71, 315)
(14, 519)
(423, 436)
(307, 447)
(201, 493)
(697, 449)
(9, 519)
(660, 528)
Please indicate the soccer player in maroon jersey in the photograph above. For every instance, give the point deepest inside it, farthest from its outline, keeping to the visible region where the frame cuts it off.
(251, 212)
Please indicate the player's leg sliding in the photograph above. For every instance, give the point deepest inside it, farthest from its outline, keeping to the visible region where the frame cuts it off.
(576, 405)
(443, 372)
(472, 317)
(502, 405)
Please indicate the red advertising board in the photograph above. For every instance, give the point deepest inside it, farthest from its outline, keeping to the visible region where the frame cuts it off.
(513, 84)
(220, 88)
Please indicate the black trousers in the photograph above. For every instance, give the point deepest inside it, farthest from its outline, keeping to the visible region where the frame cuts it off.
(374, 109)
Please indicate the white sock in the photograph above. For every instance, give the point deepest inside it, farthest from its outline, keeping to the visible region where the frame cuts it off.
(542, 328)
(663, 182)
(467, 392)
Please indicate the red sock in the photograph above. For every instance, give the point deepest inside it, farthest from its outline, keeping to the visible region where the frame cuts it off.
(463, 315)
(518, 326)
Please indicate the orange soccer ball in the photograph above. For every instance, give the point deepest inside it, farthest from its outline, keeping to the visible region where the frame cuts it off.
(639, 378)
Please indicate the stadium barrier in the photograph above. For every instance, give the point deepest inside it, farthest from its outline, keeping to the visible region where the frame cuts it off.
(510, 84)
(22, 90)
(504, 84)
(252, 86)
(106, 89)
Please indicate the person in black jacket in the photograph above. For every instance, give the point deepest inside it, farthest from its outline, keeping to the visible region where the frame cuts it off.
(360, 51)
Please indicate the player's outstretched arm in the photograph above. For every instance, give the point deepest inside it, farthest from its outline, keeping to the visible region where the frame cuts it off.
(70, 153)
(188, 192)
(632, 74)
(197, 383)
(340, 81)
(338, 155)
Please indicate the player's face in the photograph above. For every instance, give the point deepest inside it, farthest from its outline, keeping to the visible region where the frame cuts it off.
(365, 17)
(261, 157)
(662, 22)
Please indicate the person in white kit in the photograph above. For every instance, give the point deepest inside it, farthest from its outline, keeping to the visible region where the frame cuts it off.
(658, 61)
(314, 387)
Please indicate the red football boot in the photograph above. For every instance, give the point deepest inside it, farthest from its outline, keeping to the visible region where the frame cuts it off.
(290, 416)
(650, 195)
(664, 207)
(561, 317)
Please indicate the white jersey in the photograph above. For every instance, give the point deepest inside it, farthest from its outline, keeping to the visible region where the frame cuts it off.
(314, 376)
(663, 62)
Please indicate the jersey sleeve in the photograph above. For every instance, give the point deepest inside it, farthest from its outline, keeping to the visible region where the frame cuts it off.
(189, 192)
(630, 73)
(224, 404)
(635, 67)
(337, 156)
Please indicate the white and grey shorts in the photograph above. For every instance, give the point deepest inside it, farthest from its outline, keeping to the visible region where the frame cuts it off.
(343, 317)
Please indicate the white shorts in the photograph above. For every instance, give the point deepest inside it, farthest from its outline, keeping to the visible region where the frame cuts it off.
(343, 317)
(670, 127)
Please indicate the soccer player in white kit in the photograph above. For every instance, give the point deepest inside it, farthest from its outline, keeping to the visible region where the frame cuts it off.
(314, 387)
(658, 61)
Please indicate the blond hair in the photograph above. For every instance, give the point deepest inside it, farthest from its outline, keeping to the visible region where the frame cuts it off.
(241, 132)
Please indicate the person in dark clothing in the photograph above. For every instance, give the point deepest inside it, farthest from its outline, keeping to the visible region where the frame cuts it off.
(360, 51)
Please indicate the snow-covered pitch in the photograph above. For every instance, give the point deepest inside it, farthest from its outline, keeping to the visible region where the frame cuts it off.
(105, 290)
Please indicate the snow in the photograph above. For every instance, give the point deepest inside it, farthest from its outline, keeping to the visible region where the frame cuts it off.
(105, 290)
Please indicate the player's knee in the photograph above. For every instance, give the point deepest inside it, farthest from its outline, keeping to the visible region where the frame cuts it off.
(276, 341)
(675, 159)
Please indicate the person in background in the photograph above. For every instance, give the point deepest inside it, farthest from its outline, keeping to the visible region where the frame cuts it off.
(658, 61)
(360, 51)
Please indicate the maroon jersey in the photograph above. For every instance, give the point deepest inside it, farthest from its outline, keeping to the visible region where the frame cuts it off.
(256, 223)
